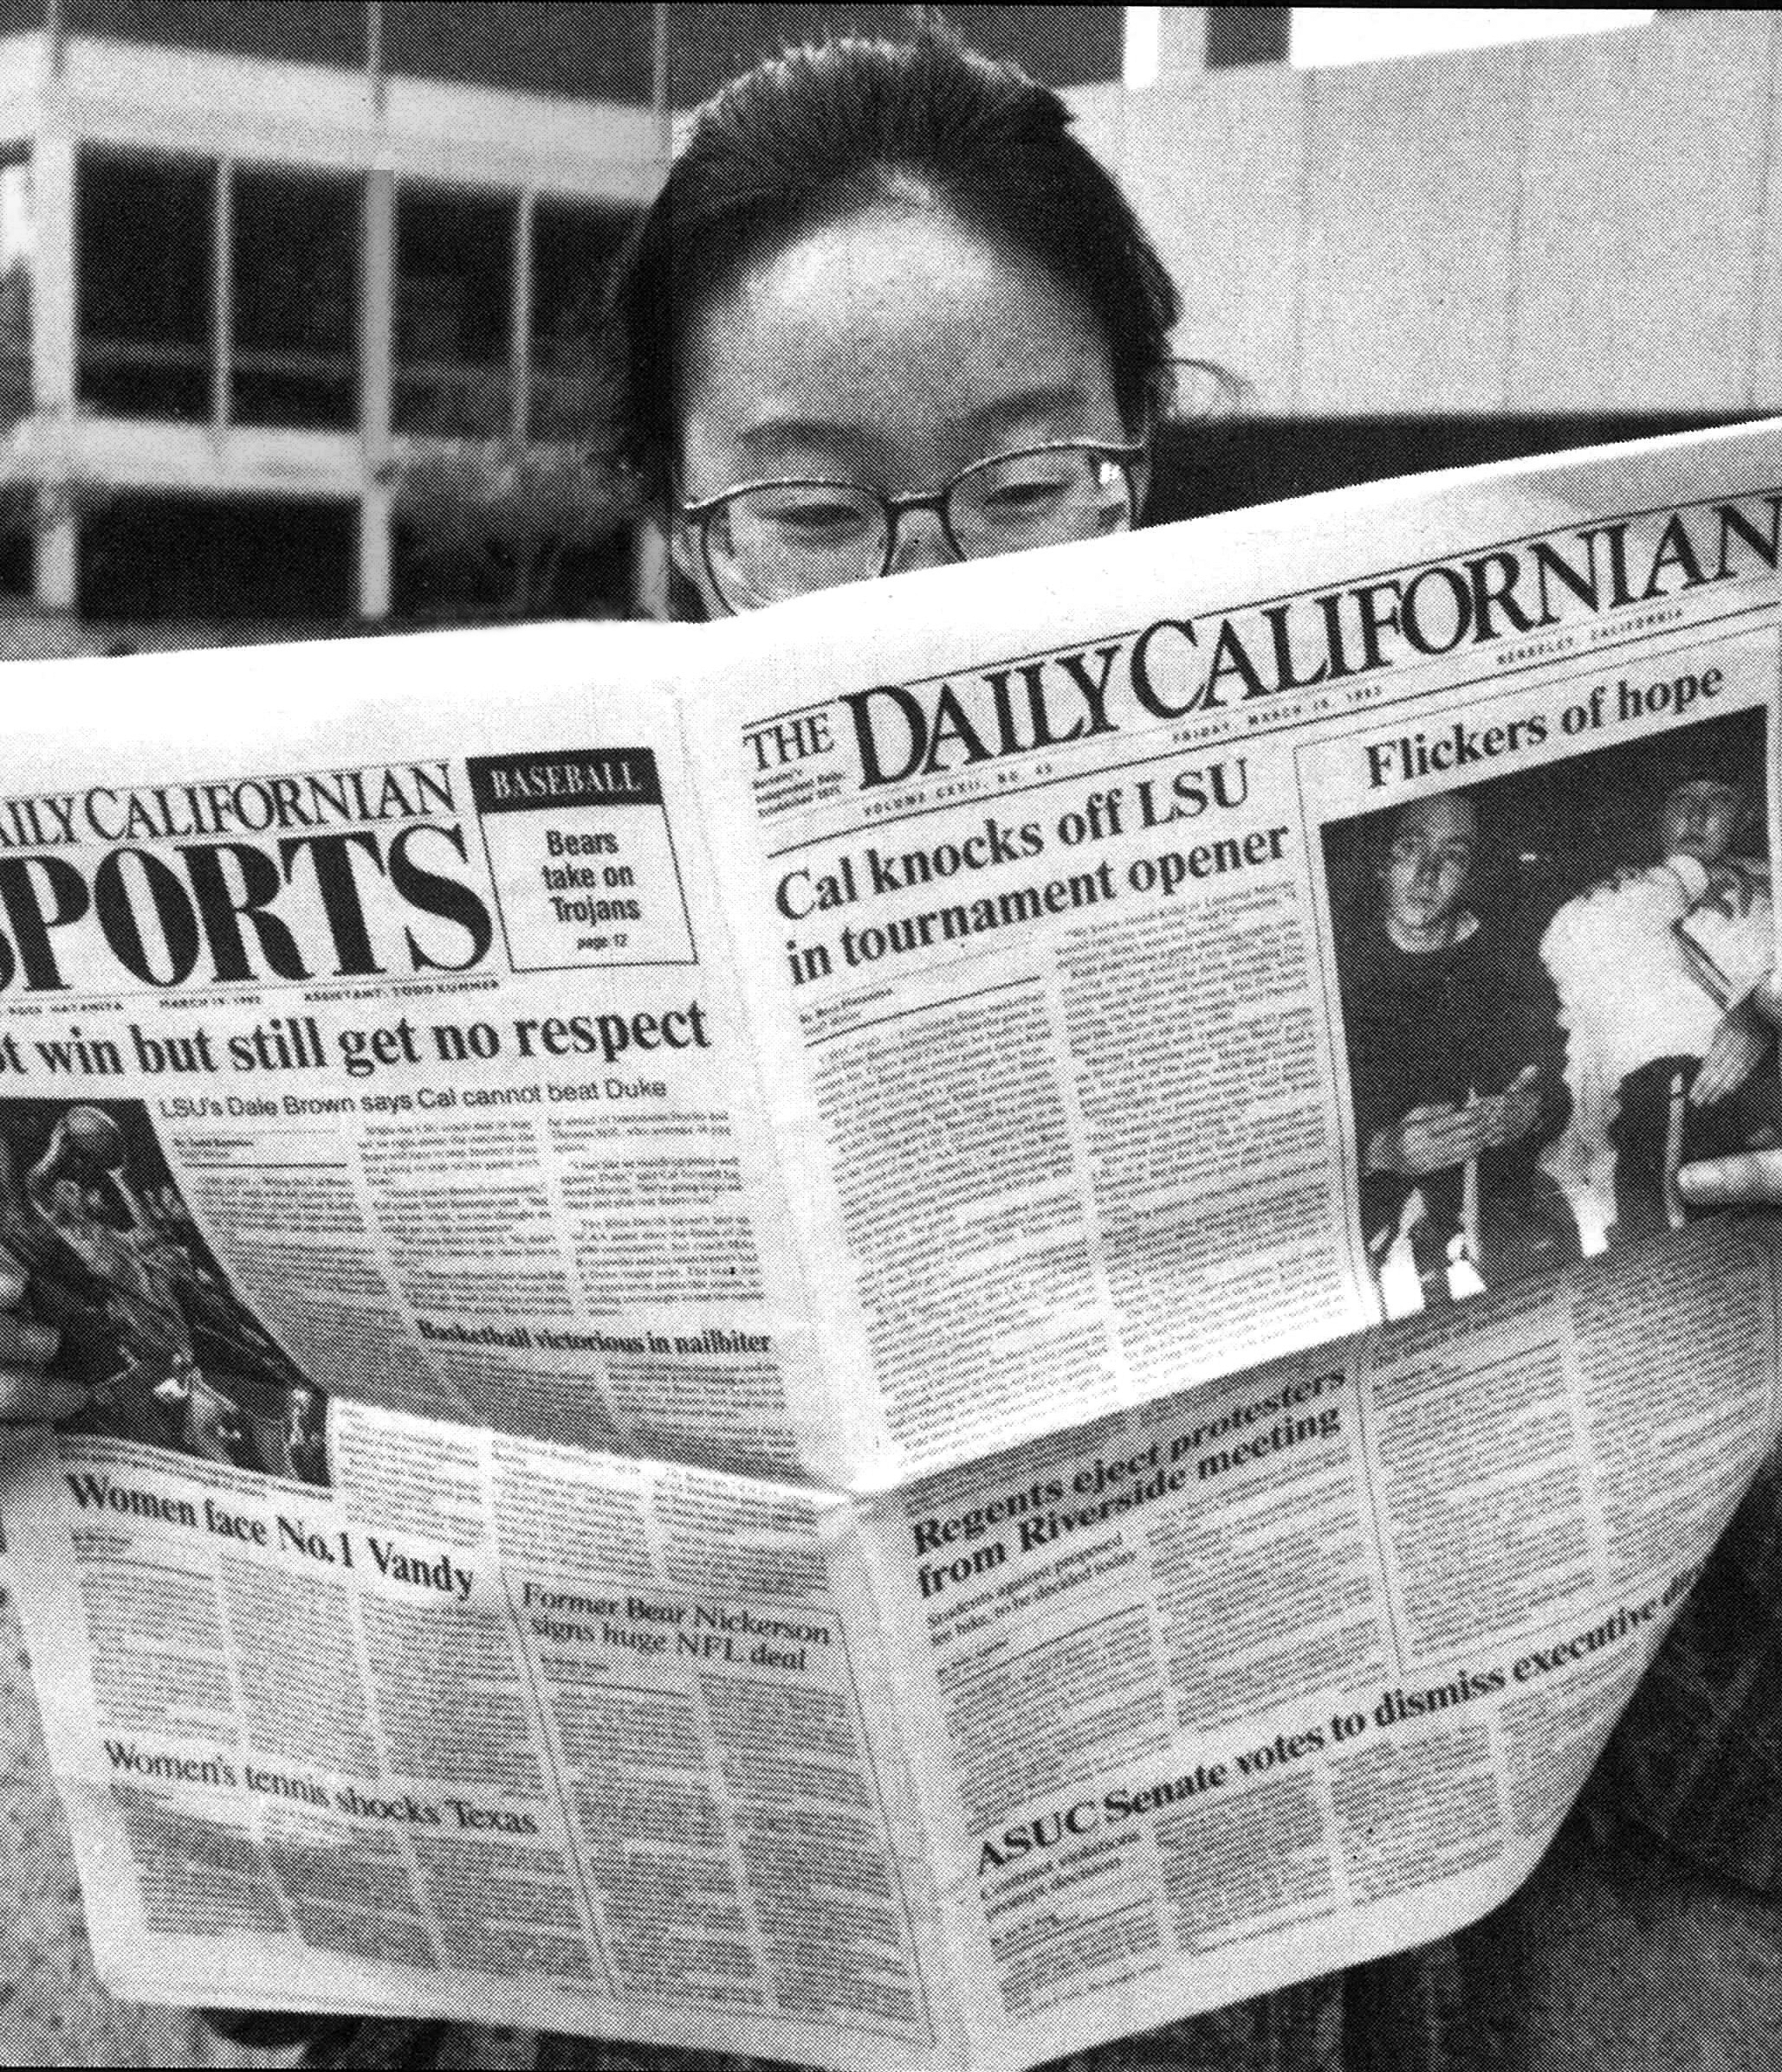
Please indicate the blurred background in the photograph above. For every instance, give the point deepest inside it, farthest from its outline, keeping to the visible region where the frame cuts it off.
(294, 320)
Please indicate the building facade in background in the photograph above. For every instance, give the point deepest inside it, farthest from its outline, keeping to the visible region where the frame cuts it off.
(253, 255)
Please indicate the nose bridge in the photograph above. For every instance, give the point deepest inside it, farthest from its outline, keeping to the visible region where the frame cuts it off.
(918, 538)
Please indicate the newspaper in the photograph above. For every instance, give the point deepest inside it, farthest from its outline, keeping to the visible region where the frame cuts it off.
(908, 1333)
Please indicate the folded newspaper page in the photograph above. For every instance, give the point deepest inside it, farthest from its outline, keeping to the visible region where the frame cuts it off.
(908, 1333)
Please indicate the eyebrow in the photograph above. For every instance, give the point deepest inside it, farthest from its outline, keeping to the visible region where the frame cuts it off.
(779, 435)
(1025, 403)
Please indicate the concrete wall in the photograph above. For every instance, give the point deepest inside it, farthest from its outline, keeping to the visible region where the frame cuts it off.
(1589, 224)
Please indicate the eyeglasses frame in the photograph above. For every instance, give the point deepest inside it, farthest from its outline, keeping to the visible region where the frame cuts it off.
(1126, 455)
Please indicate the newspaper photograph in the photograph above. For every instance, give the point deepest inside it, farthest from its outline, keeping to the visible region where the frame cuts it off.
(146, 1319)
(1527, 1078)
(910, 1335)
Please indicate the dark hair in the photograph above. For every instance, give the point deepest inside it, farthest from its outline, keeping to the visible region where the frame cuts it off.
(827, 130)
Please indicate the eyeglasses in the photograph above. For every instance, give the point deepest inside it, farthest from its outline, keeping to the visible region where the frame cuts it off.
(765, 541)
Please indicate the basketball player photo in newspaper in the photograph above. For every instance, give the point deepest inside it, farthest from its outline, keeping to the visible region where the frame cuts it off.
(146, 1317)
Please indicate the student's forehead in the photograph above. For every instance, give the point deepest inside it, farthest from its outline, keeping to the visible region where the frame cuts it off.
(883, 325)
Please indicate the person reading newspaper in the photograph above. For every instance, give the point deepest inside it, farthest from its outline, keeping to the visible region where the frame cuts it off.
(1455, 1070)
(885, 313)
(1655, 969)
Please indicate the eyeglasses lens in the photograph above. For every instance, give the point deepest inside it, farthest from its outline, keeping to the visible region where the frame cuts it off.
(785, 541)
(1043, 499)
